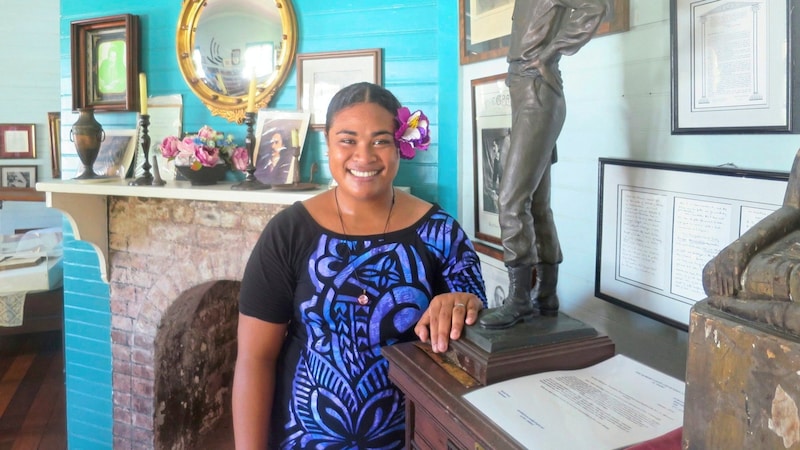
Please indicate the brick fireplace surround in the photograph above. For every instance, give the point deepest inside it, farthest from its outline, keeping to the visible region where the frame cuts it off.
(173, 258)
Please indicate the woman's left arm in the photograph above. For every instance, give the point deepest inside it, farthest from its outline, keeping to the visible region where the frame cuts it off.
(445, 318)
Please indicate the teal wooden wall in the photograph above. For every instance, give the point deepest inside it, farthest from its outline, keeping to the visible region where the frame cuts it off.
(420, 48)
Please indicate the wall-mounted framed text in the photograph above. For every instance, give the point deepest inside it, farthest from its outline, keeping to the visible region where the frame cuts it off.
(17, 140)
(491, 133)
(659, 224)
(733, 66)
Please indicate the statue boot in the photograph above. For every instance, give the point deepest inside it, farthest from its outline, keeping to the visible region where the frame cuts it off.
(543, 295)
(516, 306)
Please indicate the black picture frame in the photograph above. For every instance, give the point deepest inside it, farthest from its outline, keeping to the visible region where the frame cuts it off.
(659, 224)
(101, 79)
(733, 66)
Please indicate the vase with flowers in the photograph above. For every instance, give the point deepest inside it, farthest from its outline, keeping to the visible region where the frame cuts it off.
(204, 158)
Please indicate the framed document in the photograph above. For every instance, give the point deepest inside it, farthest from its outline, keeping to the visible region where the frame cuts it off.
(660, 224)
(733, 66)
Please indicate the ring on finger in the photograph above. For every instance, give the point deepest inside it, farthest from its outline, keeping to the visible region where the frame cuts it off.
(459, 305)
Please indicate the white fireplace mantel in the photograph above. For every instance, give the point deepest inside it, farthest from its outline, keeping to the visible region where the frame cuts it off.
(86, 204)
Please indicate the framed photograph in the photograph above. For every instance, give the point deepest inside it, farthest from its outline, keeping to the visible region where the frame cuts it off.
(17, 140)
(280, 136)
(23, 177)
(484, 26)
(733, 66)
(321, 75)
(491, 130)
(115, 156)
(105, 63)
(54, 126)
(495, 274)
(659, 225)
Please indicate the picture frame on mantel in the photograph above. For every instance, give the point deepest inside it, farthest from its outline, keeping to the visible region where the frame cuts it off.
(17, 141)
(320, 75)
(734, 66)
(105, 63)
(484, 26)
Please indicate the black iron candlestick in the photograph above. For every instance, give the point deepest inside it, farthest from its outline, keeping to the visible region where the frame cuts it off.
(146, 179)
(250, 182)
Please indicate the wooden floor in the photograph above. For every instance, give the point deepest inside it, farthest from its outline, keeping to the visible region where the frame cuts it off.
(32, 393)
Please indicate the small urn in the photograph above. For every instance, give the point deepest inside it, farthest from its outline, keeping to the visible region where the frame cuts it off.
(87, 134)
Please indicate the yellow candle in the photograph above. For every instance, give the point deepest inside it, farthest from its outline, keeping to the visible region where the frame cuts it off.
(251, 96)
(143, 93)
(295, 138)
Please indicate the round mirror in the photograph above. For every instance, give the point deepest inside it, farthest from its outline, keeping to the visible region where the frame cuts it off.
(223, 44)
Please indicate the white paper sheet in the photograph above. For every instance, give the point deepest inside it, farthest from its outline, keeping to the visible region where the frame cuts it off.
(613, 404)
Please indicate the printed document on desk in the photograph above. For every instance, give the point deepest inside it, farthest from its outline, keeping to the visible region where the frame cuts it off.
(613, 404)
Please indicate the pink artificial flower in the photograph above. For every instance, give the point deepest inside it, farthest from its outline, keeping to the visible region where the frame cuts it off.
(240, 158)
(207, 134)
(169, 147)
(412, 132)
(206, 156)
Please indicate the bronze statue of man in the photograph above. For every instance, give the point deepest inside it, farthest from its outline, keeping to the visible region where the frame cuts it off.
(541, 31)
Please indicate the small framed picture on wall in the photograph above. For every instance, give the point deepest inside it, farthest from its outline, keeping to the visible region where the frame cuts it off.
(23, 177)
(17, 141)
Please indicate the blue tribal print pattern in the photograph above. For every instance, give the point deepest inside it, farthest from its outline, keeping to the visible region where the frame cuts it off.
(341, 395)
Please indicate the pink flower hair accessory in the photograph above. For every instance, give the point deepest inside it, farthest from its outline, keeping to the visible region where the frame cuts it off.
(413, 132)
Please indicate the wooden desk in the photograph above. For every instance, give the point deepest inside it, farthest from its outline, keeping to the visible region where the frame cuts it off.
(437, 416)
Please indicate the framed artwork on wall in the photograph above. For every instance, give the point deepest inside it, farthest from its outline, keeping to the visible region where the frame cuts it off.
(321, 75)
(23, 177)
(105, 63)
(54, 126)
(484, 26)
(491, 130)
(733, 66)
(17, 140)
(280, 136)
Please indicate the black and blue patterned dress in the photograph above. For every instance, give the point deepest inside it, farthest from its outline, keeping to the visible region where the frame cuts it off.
(332, 388)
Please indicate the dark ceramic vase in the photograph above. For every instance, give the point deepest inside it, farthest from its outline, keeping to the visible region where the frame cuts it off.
(205, 176)
(87, 134)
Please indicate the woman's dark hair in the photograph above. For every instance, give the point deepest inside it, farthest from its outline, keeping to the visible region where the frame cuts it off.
(361, 93)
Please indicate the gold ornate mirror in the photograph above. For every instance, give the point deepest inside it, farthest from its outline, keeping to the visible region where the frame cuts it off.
(222, 44)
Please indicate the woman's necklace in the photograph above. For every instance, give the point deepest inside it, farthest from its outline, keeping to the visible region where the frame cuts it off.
(362, 299)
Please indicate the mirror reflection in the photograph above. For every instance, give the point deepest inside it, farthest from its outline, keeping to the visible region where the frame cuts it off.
(223, 44)
(236, 40)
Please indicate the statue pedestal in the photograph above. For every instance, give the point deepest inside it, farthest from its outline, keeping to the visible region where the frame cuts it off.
(742, 384)
(539, 345)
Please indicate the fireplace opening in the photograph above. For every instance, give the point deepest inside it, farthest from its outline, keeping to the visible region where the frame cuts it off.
(194, 354)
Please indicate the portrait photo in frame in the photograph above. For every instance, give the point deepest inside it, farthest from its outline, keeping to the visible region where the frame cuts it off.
(491, 129)
(54, 126)
(484, 26)
(321, 75)
(22, 177)
(115, 157)
(105, 63)
(17, 140)
(733, 66)
(280, 136)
